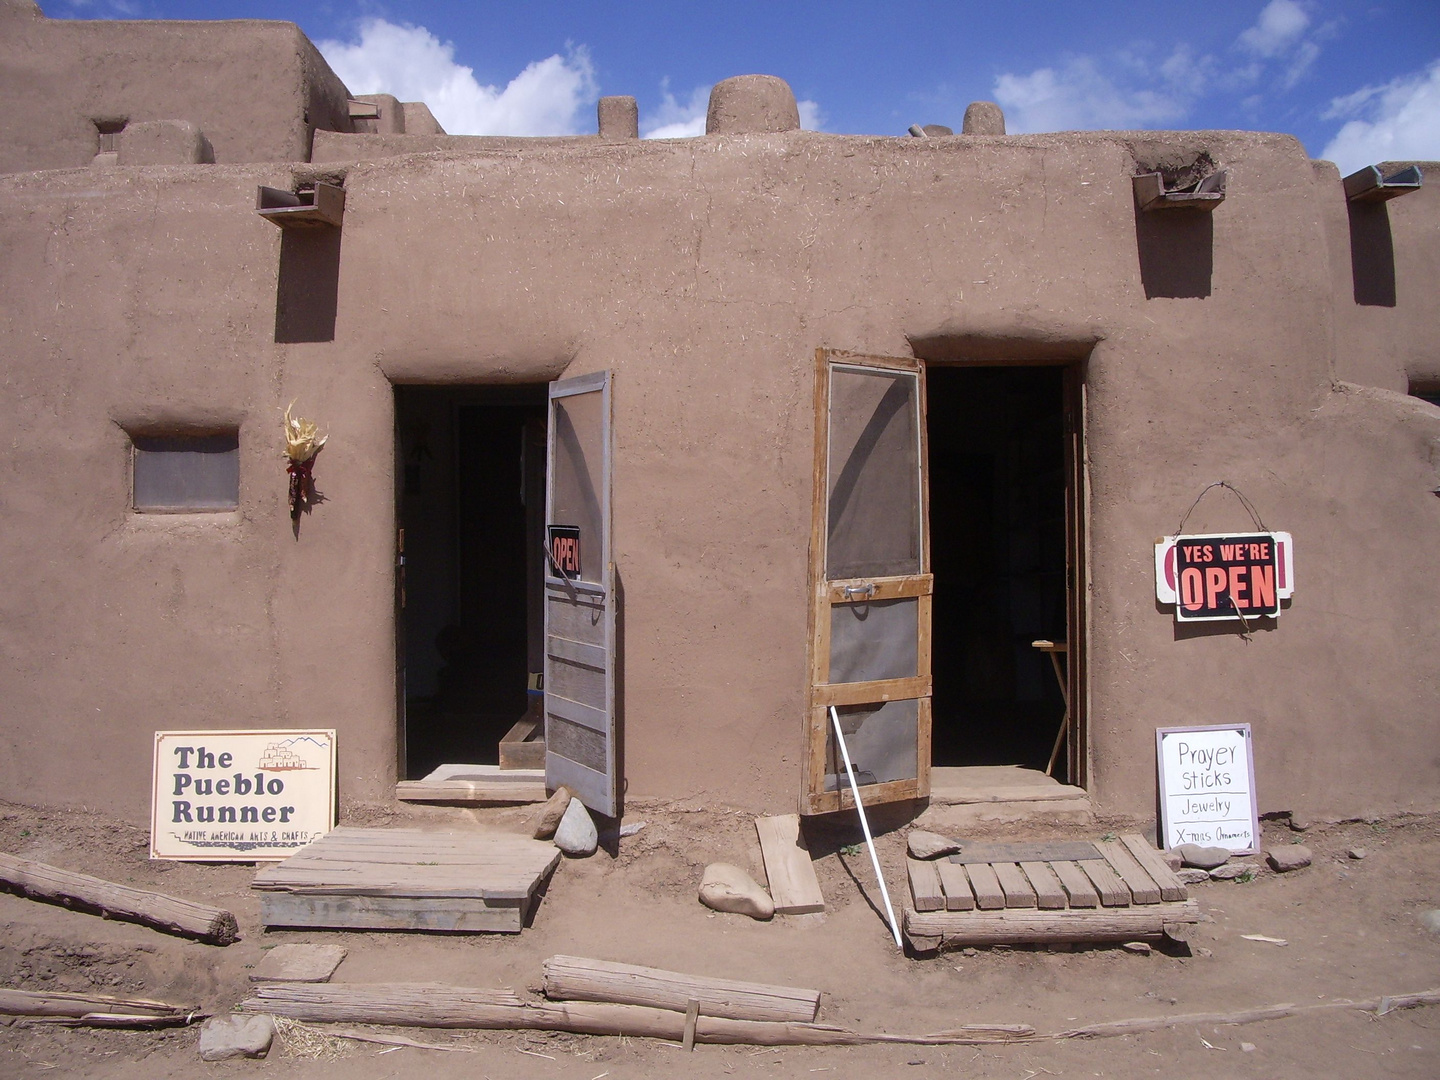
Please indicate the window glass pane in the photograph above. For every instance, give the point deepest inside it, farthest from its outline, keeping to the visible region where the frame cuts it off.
(874, 640)
(187, 472)
(874, 474)
(577, 485)
(883, 741)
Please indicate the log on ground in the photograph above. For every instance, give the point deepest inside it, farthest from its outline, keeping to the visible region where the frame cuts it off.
(1014, 927)
(575, 978)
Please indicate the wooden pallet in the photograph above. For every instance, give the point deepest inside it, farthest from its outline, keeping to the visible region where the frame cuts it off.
(407, 879)
(1112, 890)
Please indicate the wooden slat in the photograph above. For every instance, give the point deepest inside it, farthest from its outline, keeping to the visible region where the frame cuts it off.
(791, 874)
(1071, 851)
(466, 914)
(470, 791)
(890, 588)
(988, 893)
(1009, 927)
(1077, 886)
(1018, 893)
(1049, 893)
(925, 885)
(1113, 891)
(574, 978)
(1171, 887)
(956, 884)
(864, 693)
(1143, 889)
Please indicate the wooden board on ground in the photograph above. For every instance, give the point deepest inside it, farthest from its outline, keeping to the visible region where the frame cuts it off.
(1070, 850)
(574, 978)
(1113, 891)
(925, 885)
(1049, 893)
(956, 884)
(793, 884)
(297, 962)
(1171, 887)
(1018, 893)
(407, 879)
(475, 785)
(1077, 886)
(989, 896)
(1143, 889)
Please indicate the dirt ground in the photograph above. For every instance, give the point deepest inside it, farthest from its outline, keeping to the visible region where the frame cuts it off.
(1353, 930)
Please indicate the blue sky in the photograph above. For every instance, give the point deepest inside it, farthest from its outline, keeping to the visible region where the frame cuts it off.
(1355, 81)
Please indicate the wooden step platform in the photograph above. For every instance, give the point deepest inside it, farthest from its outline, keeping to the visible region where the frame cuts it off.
(476, 785)
(993, 894)
(408, 879)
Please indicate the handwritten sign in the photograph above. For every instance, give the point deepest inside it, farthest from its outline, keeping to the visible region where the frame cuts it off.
(1207, 787)
(240, 796)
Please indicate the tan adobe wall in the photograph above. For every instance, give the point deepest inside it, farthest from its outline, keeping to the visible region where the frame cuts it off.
(703, 273)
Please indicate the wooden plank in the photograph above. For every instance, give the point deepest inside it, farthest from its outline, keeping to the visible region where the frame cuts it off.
(574, 978)
(1070, 851)
(41, 881)
(864, 693)
(60, 1003)
(882, 588)
(456, 914)
(788, 868)
(988, 893)
(1143, 889)
(1018, 893)
(1171, 887)
(1077, 886)
(1113, 891)
(1049, 893)
(296, 962)
(925, 885)
(471, 791)
(1011, 927)
(956, 884)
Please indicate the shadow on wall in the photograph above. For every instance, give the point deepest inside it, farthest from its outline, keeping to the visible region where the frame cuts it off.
(1176, 253)
(1372, 254)
(308, 289)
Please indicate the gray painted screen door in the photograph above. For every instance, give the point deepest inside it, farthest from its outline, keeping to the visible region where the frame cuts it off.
(580, 743)
(869, 646)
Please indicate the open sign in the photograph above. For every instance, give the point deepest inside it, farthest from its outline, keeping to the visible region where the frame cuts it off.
(565, 549)
(1223, 576)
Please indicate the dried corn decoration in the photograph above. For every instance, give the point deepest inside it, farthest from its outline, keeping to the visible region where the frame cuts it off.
(302, 442)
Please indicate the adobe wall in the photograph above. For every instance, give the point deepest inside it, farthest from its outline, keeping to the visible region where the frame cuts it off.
(256, 89)
(703, 273)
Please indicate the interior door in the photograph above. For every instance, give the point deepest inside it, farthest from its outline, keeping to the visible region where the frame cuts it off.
(580, 736)
(871, 584)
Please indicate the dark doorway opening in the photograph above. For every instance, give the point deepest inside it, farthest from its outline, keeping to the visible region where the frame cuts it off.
(998, 529)
(471, 511)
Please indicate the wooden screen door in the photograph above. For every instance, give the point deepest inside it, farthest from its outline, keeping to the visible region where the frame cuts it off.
(580, 738)
(871, 583)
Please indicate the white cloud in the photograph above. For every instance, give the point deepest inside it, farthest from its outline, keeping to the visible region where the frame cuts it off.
(414, 65)
(684, 120)
(1399, 121)
(1080, 96)
(1280, 26)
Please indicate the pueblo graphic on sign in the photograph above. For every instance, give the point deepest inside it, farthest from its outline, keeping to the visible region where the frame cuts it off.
(565, 549)
(239, 796)
(1222, 576)
(1207, 787)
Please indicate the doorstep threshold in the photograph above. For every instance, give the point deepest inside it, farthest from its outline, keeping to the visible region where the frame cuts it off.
(1006, 792)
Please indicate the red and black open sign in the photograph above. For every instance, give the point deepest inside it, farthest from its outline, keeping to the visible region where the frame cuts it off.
(565, 549)
(1226, 577)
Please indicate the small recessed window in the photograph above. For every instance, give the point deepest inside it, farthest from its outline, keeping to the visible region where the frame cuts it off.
(186, 473)
(109, 133)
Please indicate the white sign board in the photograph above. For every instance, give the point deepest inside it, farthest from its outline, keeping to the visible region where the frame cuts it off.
(1207, 787)
(240, 796)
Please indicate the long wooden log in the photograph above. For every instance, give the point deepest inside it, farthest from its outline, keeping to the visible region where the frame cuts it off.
(424, 1005)
(96, 1010)
(171, 914)
(1018, 926)
(575, 978)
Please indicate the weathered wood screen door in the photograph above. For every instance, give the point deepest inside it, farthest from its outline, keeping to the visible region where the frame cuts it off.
(871, 583)
(580, 737)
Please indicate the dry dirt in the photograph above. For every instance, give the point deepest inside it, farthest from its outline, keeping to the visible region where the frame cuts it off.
(1353, 930)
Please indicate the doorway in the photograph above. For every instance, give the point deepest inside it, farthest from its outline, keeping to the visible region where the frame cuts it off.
(471, 506)
(1004, 481)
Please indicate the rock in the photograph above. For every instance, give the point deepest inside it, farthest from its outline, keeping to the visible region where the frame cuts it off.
(1231, 871)
(295, 962)
(551, 813)
(1203, 952)
(728, 888)
(1140, 947)
(1247, 1048)
(1289, 857)
(226, 1037)
(576, 834)
(929, 845)
(1357, 853)
(1190, 876)
(1201, 857)
(1430, 920)
(1299, 824)
(631, 829)
(1172, 860)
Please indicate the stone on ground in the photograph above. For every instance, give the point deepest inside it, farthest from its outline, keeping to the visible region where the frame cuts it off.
(1231, 871)
(929, 845)
(1357, 853)
(1289, 857)
(295, 962)
(226, 1037)
(576, 834)
(725, 887)
(550, 814)
(1191, 876)
(1140, 947)
(1430, 920)
(1201, 857)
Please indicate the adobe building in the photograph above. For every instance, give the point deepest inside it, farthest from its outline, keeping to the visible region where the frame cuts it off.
(1021, 358)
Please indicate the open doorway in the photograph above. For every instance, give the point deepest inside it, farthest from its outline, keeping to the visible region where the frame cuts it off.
(1004, 552)
(471, 506)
